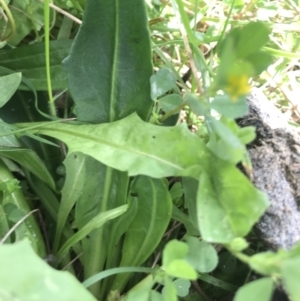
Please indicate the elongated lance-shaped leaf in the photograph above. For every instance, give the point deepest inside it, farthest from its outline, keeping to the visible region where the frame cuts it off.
(135, 146)
(148, 226)
(75, 175)
(96, 222)
(109, 67)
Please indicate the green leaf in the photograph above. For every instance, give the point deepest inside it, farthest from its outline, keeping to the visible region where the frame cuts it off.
(173, 250)
(170, 102)
(96, 222)
(176, 191)
(224, 143)
(149, 225)
(225, 106)
(28, 229)
(199, 107)
(178, 215)
(30, 60)
(161, 82)
(260, 61)
(190, 188)
(169, 290)
(246, 134)
(228, 205)
(182, 287)
(261, 290)
(179, 268)
(30, 161)
(28, 17)
(34, 279)
(72, 190)
(8, 86)
(202, 256)
(252, 37)
(4, 226)
(109, 69)
(134, 146)
(290, 276)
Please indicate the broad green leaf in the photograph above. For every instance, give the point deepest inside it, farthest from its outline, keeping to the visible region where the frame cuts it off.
(30, 59)
(290, 276)
(225, 106)
(109, 68)
(96, 222)
(173, 250)
(261, 290)
(30, 161)
(72, 190)
(161, 82)
(149, 225)
(252, 37)
(202, 256)
(8, 86)
(228, 205)
(135, 146)
(25, 276)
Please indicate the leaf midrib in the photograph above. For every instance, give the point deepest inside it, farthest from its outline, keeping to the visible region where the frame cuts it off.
(112, 145)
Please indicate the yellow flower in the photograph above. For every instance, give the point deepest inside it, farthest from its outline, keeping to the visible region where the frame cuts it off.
(237, 86)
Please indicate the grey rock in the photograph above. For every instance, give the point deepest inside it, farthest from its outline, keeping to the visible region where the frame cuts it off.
(275, 157)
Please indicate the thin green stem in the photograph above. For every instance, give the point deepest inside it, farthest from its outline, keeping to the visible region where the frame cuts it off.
(172, 112)
(10, 19)
(47, 54)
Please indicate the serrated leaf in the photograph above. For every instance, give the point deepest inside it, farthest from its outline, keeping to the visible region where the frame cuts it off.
(135, 146)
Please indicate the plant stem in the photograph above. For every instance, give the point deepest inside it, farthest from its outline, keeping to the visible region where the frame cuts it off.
(47, 56)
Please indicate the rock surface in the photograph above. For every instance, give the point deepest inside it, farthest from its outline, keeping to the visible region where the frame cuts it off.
(275, 156)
